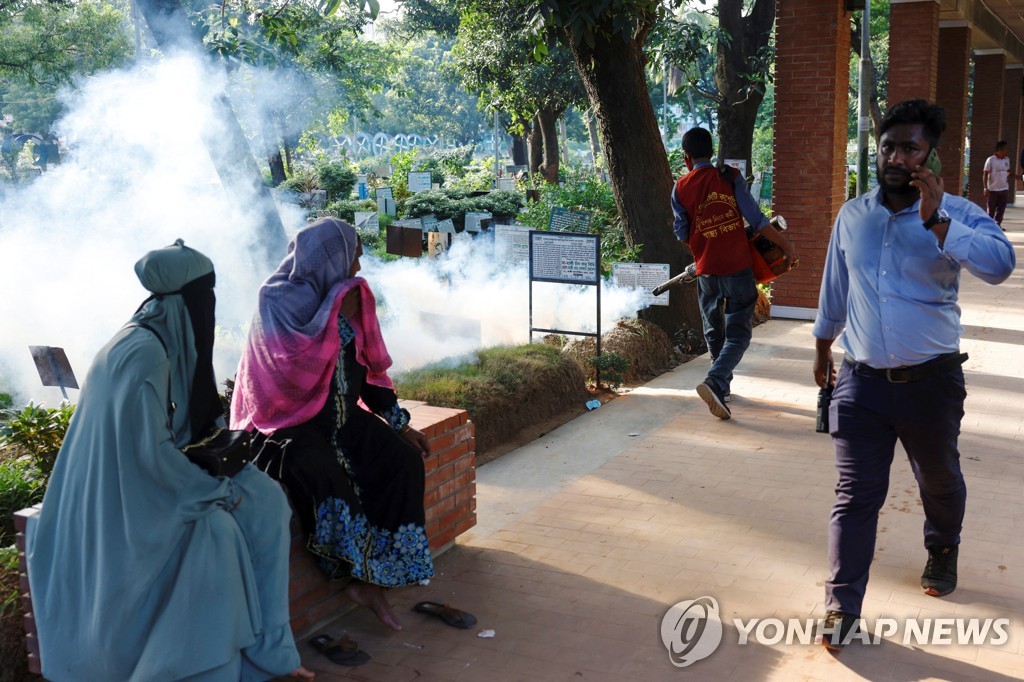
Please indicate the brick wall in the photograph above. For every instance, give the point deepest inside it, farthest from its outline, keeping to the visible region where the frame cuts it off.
(913, 63)
(449, 500)
(951, 95)
(986, 118)
(811, 93)
(1013, 84)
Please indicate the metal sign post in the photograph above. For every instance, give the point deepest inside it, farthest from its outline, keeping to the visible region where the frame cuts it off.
(53, 367)
(566, 258)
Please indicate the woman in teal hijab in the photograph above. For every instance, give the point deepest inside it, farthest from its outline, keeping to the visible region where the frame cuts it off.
(143, 566)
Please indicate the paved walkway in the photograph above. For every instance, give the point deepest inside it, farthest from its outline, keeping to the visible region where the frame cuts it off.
(588, 535)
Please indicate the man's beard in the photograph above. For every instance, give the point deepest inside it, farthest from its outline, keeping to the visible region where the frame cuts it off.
(905, 189)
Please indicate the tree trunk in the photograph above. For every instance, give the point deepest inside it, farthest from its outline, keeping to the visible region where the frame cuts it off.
(536, 148)
(741, 97)
(547, 121)
(595, 140)
(229, 150)
(873, 107)
(520, 151)
(277, 174)
(613, 75)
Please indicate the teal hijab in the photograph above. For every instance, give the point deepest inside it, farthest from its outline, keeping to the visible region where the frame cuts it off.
(133, 574)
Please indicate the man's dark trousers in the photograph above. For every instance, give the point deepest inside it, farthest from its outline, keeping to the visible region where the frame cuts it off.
(995, 202)
(727, 309)
(867, 416)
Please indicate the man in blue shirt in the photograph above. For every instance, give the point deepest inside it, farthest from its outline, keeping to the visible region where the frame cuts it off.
(890, 285)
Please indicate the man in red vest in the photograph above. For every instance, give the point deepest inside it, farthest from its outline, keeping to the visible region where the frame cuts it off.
(710, 206)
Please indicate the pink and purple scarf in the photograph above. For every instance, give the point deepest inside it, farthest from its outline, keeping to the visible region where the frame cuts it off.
(288, 364)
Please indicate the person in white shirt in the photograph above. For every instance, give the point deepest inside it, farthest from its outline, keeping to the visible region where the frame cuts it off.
(997, 187)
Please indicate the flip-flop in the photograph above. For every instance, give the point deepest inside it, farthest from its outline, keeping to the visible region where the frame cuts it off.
(451, 616)
(344, 651)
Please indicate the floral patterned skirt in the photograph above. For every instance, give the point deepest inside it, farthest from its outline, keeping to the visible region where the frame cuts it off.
(360, 501)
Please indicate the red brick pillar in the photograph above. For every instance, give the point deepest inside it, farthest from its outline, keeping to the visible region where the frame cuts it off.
(812, 80)
(986, 117)
(1013, 87)
(913, 63)
(951, 95)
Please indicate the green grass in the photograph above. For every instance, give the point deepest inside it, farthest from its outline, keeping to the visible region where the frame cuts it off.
(497, 372)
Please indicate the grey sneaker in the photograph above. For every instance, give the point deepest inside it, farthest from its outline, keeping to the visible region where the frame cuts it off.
(715, 400)
(727, 398)
(939, 577)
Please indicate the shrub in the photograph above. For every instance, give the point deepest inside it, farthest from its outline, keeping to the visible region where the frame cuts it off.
(346, 210)
(474, 179)
(21, 485)
(585, 191)
(302, 181)
(612, 367)
(499, 203)
(439, 203)
(338, 178)
(38, 432)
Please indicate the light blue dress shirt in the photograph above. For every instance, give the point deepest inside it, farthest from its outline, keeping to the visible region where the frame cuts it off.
(893, 288)
(745, 202)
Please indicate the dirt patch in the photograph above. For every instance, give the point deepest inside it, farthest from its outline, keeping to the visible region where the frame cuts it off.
(544, 395)
(644, 345)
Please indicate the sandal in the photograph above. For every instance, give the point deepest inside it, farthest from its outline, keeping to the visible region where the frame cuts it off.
(344, 651)
(451, 616)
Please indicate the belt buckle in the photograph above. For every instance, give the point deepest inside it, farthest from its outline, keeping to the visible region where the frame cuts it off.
(891, 380)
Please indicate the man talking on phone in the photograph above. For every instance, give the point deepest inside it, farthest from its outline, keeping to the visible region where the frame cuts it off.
(890, 286)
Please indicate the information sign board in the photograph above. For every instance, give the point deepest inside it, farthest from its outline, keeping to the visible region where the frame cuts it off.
(511, 243)
(643, 276)
(419, 181)
(564, 257)
(564, 220)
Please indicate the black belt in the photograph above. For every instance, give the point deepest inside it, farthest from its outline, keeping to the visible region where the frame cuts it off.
(906, 374)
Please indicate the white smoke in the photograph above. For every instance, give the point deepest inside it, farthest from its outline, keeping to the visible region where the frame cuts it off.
(468, 283)
(137, 176)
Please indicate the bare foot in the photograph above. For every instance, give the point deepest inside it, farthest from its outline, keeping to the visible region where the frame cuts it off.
(372, 597)
(301, 673)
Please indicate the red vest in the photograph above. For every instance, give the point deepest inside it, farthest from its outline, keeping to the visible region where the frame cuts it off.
(718, 239)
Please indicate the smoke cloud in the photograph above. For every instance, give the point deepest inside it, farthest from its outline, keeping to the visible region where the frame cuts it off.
(136, 176)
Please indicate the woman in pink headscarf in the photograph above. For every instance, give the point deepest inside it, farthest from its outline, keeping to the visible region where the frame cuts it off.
(314, 362)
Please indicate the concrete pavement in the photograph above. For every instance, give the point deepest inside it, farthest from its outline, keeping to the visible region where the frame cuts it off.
(587, 536)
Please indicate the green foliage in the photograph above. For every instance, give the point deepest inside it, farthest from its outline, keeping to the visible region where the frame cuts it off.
(474, 178)
(37, 431)
(676, 162)
(50, 45)
(501, 202)
(337, 178)
(6, 402)
(421, 94)
(303, 180)
(401, 164)
(612, 367)
(585, 191)
(346, 210)
(439, 202)
(21, 485)
(491, 57)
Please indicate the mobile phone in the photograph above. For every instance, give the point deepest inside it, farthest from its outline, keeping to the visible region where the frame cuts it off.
(932, 163)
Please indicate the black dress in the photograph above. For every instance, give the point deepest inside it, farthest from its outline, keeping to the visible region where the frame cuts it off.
(356, 485)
